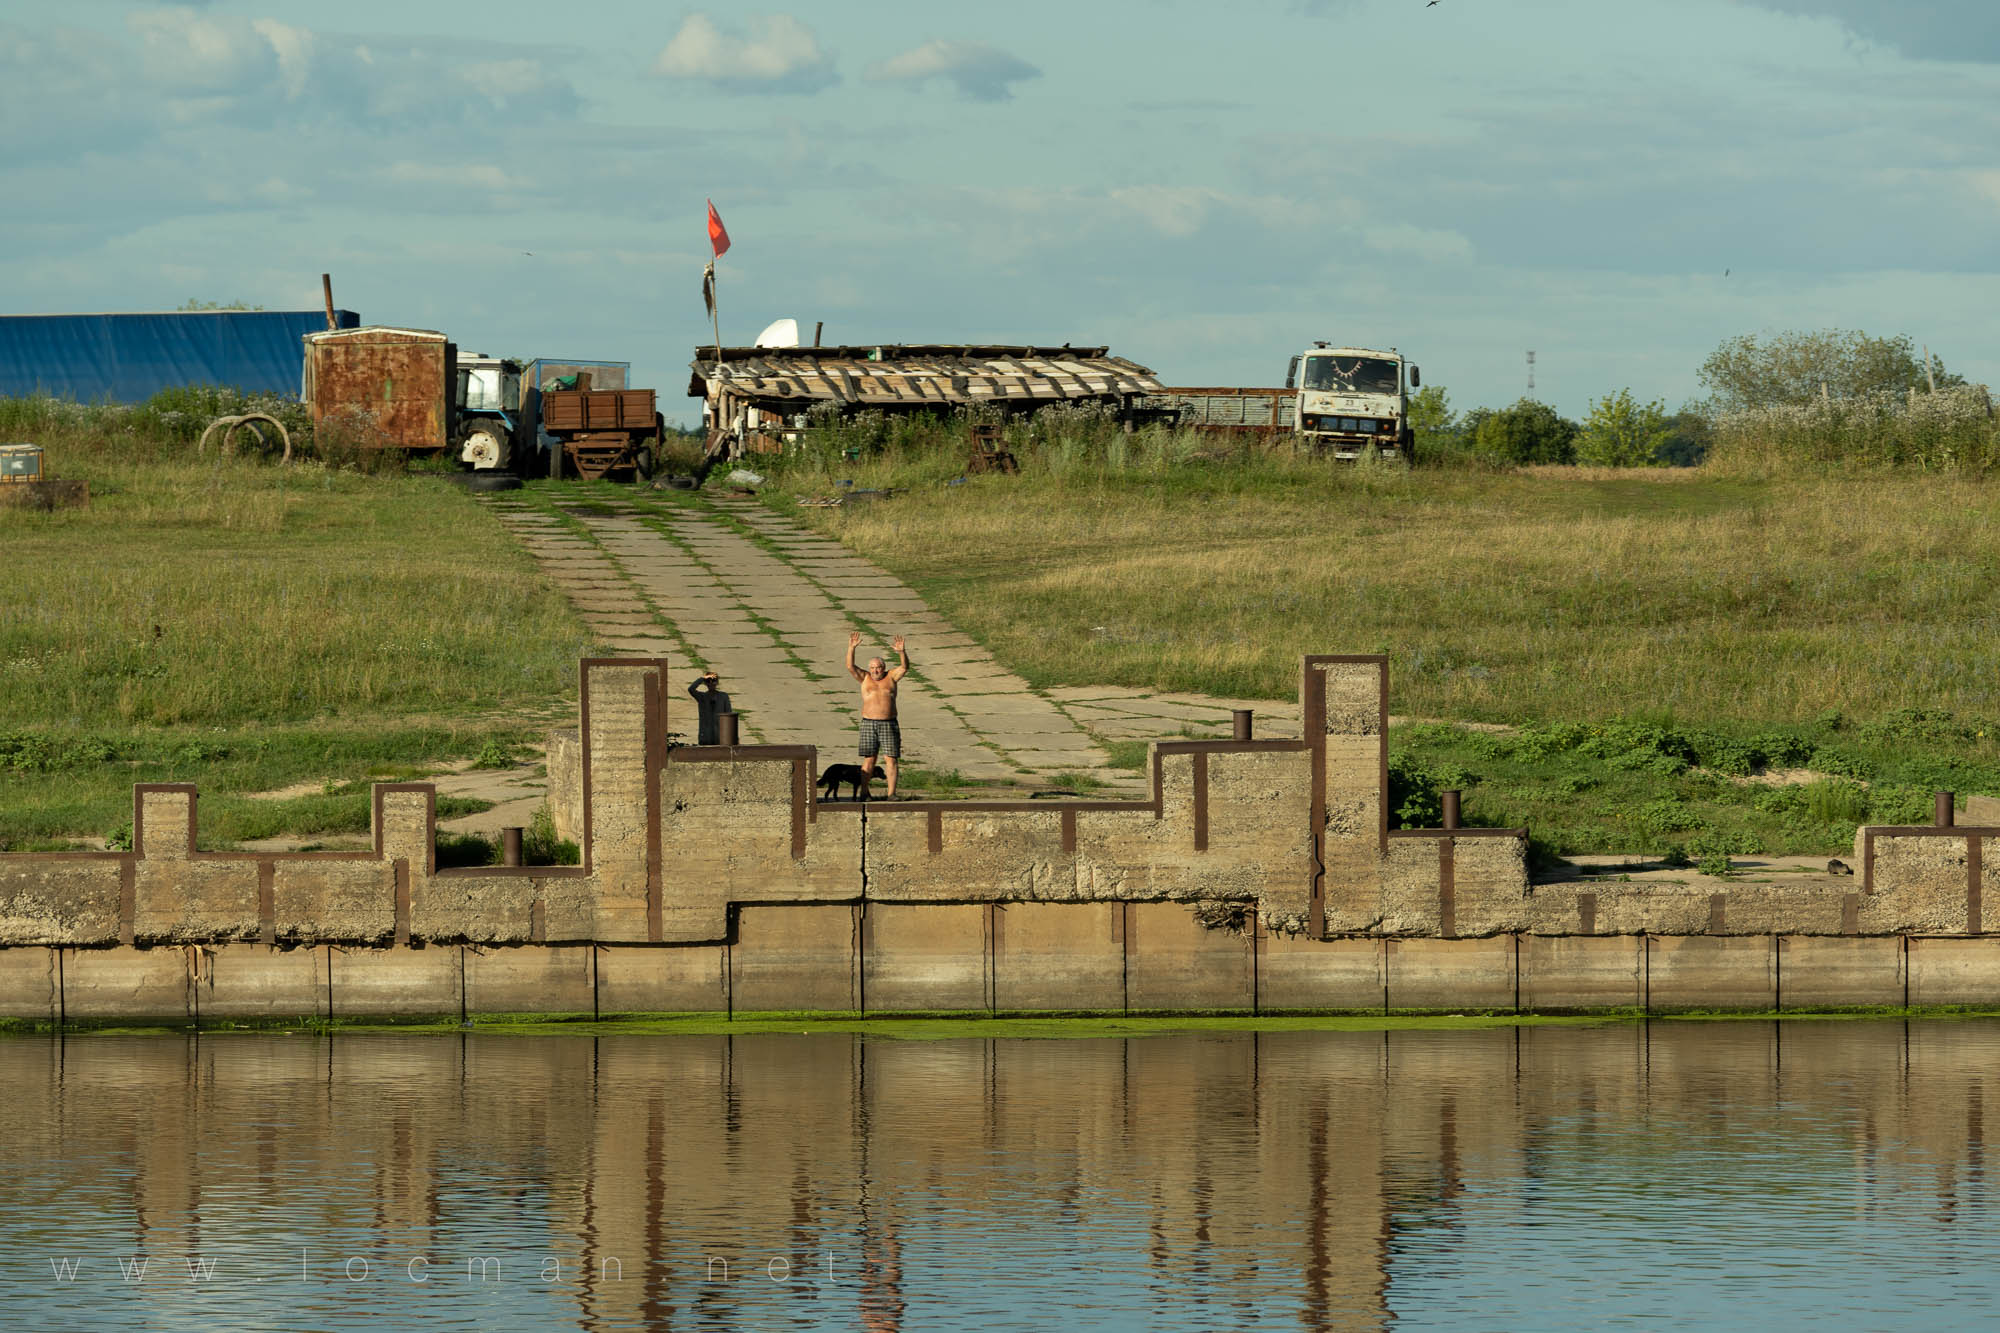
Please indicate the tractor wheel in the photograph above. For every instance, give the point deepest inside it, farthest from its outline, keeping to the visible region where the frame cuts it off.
(485, 447)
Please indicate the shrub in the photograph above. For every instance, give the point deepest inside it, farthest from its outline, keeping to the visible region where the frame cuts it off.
(541, 847)
(1668, 816)
(1622, 432)
(465, 849)
(1527, 432)
(1413, 794)
(1710, 852)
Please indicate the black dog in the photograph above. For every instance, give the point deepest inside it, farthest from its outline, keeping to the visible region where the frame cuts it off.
(853, 775)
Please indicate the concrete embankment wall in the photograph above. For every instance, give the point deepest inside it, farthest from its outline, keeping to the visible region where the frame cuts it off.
(1023, 958)
(1260, 874)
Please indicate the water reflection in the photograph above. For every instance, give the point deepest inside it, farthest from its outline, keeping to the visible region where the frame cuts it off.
(1511, 1177)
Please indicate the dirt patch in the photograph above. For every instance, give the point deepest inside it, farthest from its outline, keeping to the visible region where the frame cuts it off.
(1779, 777)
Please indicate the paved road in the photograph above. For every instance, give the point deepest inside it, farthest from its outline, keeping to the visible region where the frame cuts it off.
(769, 605)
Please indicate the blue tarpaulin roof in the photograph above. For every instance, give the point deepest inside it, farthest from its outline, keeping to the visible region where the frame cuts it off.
(129, 358)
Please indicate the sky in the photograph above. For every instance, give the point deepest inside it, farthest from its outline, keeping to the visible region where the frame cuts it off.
(1616, 185)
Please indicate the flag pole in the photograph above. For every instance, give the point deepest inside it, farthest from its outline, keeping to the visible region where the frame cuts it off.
(715, 312)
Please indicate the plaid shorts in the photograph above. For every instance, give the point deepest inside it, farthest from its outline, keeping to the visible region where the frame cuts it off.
(881, 735)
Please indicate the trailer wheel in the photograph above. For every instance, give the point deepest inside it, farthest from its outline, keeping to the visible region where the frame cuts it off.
(644, 461)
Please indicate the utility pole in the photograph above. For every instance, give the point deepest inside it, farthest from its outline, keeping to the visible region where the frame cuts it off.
(1531, 374)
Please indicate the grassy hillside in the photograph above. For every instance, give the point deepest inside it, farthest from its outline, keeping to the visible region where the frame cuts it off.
(251, 627)
(1714, 627)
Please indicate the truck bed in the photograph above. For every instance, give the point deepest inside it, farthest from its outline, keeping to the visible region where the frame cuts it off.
(1257, 411)
(582, 411)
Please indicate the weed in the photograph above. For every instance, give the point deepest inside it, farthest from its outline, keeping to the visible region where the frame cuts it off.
(495, 753)
(465, 849)
(541, 847)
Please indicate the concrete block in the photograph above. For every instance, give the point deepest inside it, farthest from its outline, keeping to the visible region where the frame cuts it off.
(924, 957)
(544, 979)
(669, 979)
(1710, 972)
(244, 979)
(181, 901)
(1058, 956)
(1920, 882)
(1955, 971)
(1832, 972)
(394, 983)
(1174, 962)
(28, 983)
(1450, 975)
(795, 958)
(353, 901)
(981, 856)
(59, 899)
(126, 982)
(1579, 973)
(1298, 972)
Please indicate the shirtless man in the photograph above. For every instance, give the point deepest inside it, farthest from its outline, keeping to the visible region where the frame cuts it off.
(879, 732)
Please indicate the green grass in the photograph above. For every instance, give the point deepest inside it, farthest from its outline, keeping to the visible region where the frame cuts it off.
(1663, 791)
(247, 627)
(1733, 605)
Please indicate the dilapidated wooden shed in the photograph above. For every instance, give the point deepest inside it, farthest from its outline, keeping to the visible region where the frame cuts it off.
(755, 391)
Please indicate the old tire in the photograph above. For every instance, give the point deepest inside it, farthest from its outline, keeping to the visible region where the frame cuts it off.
(261, 427)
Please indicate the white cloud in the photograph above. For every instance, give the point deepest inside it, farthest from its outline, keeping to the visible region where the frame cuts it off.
(981, 73)
(1414, 242)
(256, 72)
(777, 54)
(471, 175)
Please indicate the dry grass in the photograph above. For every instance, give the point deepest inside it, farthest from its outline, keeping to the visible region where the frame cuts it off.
(1552, 594)
(245, 626)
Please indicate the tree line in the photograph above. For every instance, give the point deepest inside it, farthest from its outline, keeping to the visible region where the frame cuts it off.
(1746, 373)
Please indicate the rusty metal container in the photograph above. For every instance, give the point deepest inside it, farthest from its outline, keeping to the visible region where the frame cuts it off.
(390, 387)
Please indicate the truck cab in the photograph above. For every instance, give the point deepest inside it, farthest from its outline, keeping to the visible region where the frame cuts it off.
(1352, 399)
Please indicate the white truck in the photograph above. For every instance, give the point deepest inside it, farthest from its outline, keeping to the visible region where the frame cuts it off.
(1340, 401)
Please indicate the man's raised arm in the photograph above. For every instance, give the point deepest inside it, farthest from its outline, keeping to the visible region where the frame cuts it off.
(853, 642)
(902, 660)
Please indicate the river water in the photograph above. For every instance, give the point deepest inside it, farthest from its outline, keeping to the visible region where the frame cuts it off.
(1692, 1174)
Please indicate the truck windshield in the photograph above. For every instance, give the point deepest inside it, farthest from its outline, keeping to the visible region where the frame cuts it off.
(1351, 374)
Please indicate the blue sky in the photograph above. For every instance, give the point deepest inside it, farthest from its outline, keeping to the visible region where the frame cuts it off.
(1616, 184)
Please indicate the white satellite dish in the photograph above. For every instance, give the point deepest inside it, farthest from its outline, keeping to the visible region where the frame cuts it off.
(780, 333)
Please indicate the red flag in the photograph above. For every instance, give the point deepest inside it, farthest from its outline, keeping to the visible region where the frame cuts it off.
(717, 237)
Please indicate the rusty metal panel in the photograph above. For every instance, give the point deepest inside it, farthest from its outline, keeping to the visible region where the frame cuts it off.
(391, 387)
